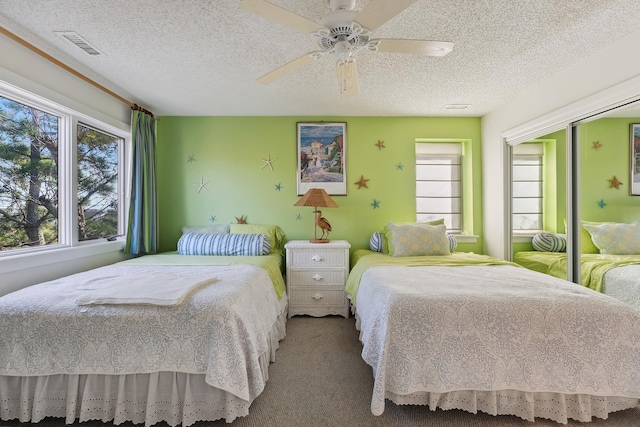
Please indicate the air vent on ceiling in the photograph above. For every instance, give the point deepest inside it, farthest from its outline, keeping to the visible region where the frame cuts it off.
(78, 40)
(456, 107)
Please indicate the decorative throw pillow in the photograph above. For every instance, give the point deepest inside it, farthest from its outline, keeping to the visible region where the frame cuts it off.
(273, 232)
(615, 238)
(223, 244)
(453, 243)
(586, 243)
(549, 242)
(375, 242)
(416, 240)
(207, 229)
(386, 234)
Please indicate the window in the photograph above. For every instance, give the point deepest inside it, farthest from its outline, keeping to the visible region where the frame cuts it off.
(97, 193)
(439, 183)
(528, 187)
(58, 188)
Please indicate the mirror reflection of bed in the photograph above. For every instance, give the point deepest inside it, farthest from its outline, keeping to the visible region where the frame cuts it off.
(609, 255)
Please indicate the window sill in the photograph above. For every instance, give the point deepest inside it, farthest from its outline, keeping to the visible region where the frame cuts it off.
(519, 237)
(465, 238)
(22, 261)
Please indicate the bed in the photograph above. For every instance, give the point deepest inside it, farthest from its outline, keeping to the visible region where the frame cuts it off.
(178, 357)
(614, 275)
(471, 332)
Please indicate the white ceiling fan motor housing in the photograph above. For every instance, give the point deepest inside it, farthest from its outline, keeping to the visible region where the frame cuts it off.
(342, 35)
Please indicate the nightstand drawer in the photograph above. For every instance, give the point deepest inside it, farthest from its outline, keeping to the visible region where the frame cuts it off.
(318, 297)
(319, 277)
(317, 258)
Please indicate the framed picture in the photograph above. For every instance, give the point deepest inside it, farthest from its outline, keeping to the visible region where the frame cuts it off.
(635, 160)
(322, 149)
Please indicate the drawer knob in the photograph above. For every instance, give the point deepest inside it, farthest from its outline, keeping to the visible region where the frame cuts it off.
(317, 258)
(317, 277)
(317, 297)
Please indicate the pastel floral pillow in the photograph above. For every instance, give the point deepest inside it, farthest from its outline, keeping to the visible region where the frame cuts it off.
(417, 240)
(387, 245)
(615, 238)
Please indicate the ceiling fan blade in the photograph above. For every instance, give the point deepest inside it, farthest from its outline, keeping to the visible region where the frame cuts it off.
(280, 15)
(287, 68)
(377, 12)
(423, 47)
(347, 78)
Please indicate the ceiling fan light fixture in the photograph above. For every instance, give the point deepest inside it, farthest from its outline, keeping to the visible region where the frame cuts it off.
(347, 77)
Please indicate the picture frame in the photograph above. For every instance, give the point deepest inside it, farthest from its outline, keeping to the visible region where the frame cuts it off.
(634, 168)
(322, 163)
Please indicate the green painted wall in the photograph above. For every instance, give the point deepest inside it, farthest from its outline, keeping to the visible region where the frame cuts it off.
(599, 166)
(228, 153)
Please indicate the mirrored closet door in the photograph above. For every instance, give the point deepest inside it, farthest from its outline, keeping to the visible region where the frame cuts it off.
(609, 203)
(539, 203)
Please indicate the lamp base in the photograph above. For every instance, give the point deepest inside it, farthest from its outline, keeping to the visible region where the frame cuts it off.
(319, 240)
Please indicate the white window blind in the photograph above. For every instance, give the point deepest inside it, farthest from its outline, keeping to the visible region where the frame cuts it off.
(439, 183)
(527, 188)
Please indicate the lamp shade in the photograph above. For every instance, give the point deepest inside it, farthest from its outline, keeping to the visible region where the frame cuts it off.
(317, 198)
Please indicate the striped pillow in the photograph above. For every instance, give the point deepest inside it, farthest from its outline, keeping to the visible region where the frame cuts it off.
(549, 242)
(223, 244)
(453, 243)
(375, 242)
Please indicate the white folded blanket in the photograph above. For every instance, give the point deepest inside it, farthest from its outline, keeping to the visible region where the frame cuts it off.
(155, 289)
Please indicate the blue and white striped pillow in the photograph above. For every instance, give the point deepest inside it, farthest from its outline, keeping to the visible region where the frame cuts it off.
(223, 244)
(549, 242)
(453, 243)
(375, 242)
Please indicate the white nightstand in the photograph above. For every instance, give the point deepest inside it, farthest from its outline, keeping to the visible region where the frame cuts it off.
(316, 275)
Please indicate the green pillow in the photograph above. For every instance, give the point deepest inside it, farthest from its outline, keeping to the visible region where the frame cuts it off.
(586, 244)
(615, 238)
(386, 234)
(418, 240)
(273, 232)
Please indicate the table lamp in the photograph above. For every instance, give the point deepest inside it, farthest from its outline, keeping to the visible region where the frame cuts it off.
(318, 198)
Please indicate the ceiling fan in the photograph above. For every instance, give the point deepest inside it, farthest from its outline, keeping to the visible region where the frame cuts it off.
(343, 32)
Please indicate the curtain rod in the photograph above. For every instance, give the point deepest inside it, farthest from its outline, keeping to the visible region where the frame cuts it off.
(65, 67)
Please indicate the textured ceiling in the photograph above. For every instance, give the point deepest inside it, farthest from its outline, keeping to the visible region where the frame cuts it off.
(202, 57)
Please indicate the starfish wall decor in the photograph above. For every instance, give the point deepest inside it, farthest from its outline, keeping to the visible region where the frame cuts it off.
(614, 183)
(380, 145)
(362, 182)
(268, 162)
(202, 185)
(242, 219)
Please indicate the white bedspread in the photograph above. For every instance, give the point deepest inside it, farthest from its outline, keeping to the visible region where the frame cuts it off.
(483, 328)
(161, 288)
(623, 283)
(219, 330)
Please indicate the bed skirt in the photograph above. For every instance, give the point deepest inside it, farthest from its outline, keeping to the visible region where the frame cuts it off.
(173, 397)
(555, 406)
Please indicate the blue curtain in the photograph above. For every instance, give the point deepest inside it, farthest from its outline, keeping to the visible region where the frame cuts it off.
(142, 232)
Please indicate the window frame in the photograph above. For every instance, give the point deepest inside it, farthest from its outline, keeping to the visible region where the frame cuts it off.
(466, 233)
(530, 149)
(68, 246)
